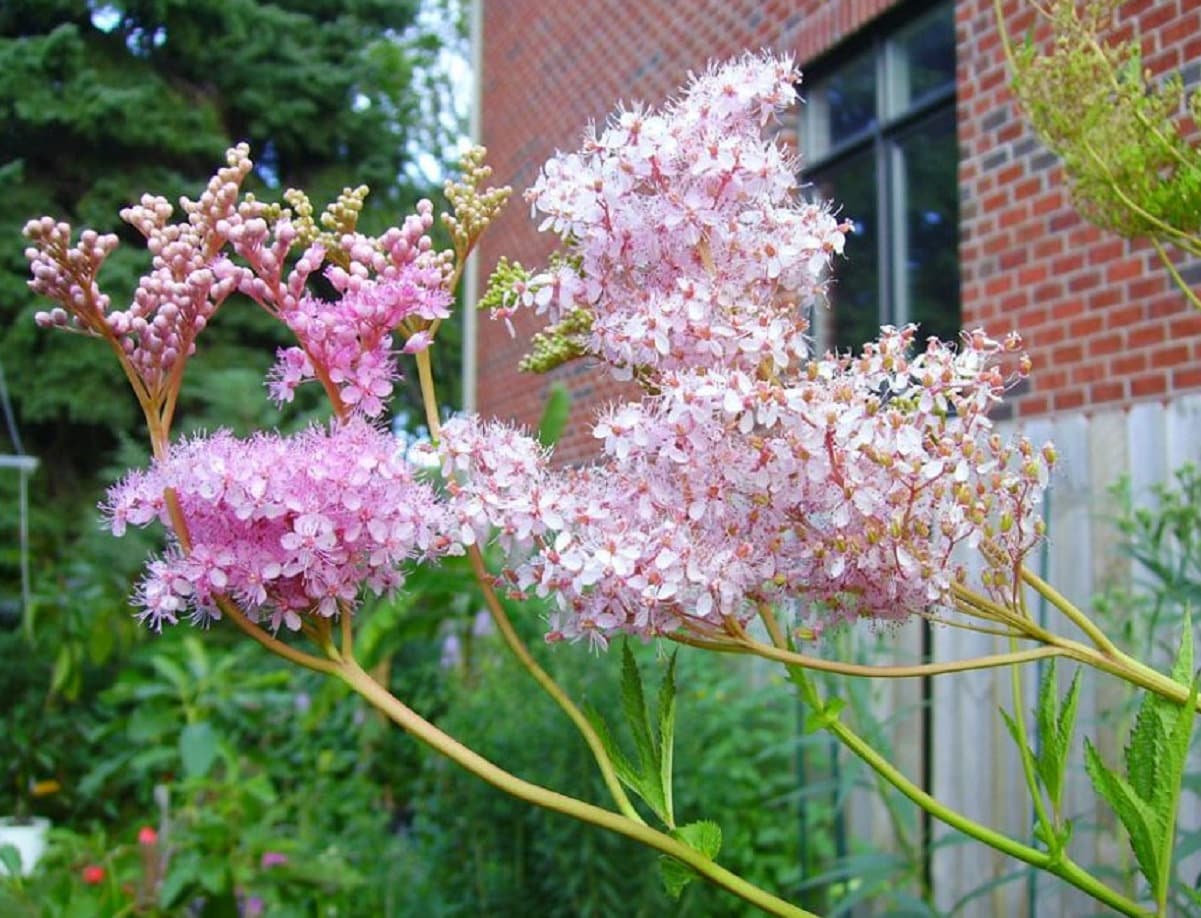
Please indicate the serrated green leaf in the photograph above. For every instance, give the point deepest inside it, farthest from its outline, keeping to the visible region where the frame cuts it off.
(703, 836)
(637, 714)
(633, 705)
(1056, 725)
(1167, 795)
(1135, 814)
(1048, 702)
(675, 876)
(1148, 745)
(1012, 726)
(667, 737)
(1182, 669)
(626, 773)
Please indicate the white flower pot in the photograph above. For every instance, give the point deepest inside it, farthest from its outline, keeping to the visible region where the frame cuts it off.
(29, 838)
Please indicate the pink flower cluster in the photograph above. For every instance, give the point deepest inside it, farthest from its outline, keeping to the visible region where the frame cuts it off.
(849, 487)
(284, 525)
(692, 249)
(350, 340)
(347, 342)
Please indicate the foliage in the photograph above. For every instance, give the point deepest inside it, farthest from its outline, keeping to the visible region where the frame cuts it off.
(1146, 798)
(1124, 138)
(1161, 533)
(1125, 148)
(266, 784)
(489, 855)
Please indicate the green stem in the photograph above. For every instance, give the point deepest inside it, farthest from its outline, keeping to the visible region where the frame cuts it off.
(1073, 614)
(429, 399)
(552, 688)
(509, 633)
(1060, 866)
(1065, 869)
(897, 672)
(1184, 240)
(1019, 722)
(1105, 656)
(358, 680)
(1176, 278)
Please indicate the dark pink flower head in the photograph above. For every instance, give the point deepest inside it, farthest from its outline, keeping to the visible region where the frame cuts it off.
(286, 526)
(849, 486)
(691, 247)
(350, 341)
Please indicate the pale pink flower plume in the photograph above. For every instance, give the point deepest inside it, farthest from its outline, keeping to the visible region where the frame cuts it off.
(849, 487)
(692, 246)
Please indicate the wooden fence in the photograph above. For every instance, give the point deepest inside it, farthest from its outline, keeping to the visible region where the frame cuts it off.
(973, 763)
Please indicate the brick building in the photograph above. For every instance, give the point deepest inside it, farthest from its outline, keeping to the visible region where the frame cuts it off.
(961, 216)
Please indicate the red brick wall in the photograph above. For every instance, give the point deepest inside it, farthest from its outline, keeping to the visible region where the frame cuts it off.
(1102, 319)
(1101, 316)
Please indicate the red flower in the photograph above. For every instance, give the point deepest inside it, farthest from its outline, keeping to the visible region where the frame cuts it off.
(93, 874)
(147, 836)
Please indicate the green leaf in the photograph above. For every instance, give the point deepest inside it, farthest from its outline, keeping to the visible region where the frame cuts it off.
(554, 414)
(626, 773)
(667, 727)
(675, 875)
(1011, 724)
(1148, 745)
(178, 881)
(1182, 669)
(633, 704)
(1166, 793)
(705, 837)
(10, 860)
(1134, 812)
(198, 748)
(820, 718)
(637, 714)
(1055, 726)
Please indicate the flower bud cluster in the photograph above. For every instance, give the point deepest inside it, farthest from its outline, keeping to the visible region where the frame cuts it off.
(472, 206)
(173, 302)
(692, 247)
(286, 526)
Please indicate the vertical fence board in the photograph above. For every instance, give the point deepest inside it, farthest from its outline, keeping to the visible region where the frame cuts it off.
(976, 768)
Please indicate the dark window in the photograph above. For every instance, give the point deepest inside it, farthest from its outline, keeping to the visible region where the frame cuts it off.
(878, 132)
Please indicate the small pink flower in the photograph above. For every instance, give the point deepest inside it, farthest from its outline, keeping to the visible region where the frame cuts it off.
(147, 836)
(93, 874)
(273, 859)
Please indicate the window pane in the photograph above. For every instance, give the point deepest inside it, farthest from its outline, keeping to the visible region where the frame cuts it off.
(921, 59)
(931, 226)
(854, 293)
(841, 105)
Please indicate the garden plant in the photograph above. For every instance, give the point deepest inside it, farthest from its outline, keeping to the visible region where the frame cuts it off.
(755, 496)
